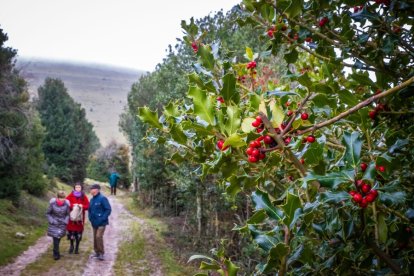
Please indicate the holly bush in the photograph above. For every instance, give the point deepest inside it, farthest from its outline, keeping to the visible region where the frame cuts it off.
(318, 129)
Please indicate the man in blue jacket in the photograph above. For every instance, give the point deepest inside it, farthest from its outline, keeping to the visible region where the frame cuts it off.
(99, 211)
(113, 181)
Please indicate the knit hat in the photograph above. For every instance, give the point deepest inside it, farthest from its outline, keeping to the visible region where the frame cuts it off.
(95, 186)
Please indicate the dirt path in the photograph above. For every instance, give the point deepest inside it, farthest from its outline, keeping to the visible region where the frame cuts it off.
(37, 260)
(27, 257)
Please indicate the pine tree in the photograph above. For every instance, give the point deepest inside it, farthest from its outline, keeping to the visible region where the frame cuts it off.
(70, 138)
(21, 157)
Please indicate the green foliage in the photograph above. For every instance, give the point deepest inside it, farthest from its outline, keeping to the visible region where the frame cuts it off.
(113, 157)
(70, 138)
(339, 62)
(21, 157)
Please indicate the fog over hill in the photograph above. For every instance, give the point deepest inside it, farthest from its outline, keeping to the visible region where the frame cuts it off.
(101, 90)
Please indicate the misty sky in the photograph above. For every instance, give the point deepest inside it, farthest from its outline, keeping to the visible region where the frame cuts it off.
(128, 33)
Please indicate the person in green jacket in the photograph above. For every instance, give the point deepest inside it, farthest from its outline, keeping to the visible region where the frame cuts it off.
(113, 181)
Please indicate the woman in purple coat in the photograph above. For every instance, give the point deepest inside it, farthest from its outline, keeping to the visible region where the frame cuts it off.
(58, 217)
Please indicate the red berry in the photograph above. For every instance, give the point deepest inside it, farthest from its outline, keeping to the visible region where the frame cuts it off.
(289, 113)
(363, 203)
(287, 103)
(304, 116)
(287, 140)
(302, 161)
(195, 47)
(262, 156)
(364, 167)
(379, 107)
(252, 144)
(252, 159)
(323, 21)
(372, 114)
(268, 140)
(381, 168)
(365, 188)
(260, 138)
(357, 197)
(283, 28)
(310, 139)
(259, 119)
(270, 33)
(249, 151)
(257, 144)
(352, 193)
(251, 65)
(220, 99)
(220, 144)
(370, 198)
(255, 152)
(256, 123)
(308, 39)
(259, 129)
(373, 193)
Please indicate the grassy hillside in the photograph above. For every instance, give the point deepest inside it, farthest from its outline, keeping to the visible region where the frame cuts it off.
(29, 218)
(101, 90)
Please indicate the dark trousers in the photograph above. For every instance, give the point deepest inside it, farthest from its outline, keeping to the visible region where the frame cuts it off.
(56, 242)
(98, 243)
(113, 190)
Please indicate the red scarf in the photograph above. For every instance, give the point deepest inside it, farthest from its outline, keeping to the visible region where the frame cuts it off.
(59, 202)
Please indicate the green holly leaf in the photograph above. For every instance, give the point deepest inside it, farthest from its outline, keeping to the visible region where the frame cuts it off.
(231, 268)
(234, 141)
(334, 197)
(203, 106)
(229, 89)
(258, 217)
(233, 119)
(261, 201)
(206, 57)
(314, 153)
(247, 125)
(195, 80)
(148, 116)
(382, 228)
(294, 9)
(178, 135)
(277, 114)
(353, 144)
(292, 204)
(331, 180)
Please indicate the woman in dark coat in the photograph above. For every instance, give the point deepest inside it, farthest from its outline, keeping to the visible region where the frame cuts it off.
(75, 228)
(58, 217)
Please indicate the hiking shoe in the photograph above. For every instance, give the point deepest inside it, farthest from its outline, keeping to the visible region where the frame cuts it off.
(94, 255)
(101, 257)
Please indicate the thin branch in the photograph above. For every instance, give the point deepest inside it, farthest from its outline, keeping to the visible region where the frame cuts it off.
(302, 104)
(358, 107)
(385, 257)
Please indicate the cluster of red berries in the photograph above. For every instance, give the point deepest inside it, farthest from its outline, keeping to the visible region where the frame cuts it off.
(258, 124)
(220, 144)
(251, 65)
(364, 194)
(308, 39)
(194, 46)
(358, 8)
(323, 21)
(254, 152)
(241, 78)
(373, 113)
(220, 99)
(271, 31)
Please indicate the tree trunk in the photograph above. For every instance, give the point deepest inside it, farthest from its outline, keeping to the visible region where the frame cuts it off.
(200, 211)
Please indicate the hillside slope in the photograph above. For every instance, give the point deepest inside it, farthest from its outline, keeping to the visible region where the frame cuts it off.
(101, 90)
